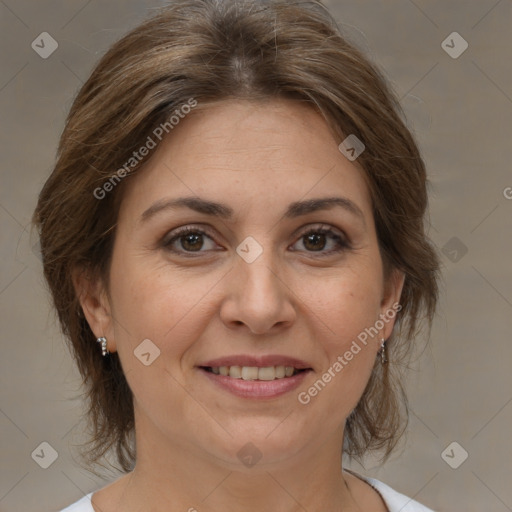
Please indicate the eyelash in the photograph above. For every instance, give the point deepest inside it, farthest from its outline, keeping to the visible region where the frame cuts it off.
(342, 243)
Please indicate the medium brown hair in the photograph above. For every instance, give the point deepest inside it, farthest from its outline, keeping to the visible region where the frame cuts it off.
(212, 50)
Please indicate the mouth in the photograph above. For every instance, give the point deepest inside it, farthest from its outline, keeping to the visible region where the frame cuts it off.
(265, 373)
(261, 377)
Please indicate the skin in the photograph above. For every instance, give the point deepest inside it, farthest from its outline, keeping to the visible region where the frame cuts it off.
(293, 300)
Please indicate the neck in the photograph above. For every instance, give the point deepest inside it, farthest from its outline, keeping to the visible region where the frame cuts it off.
(181, 475)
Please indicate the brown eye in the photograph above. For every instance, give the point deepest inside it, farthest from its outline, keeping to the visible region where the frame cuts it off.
(189, 240)
(315, 241)
(324, 241)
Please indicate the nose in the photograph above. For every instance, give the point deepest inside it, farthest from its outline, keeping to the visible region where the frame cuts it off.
(258, 298)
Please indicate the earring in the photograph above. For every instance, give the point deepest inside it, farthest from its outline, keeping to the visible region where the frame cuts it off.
(103, 342)
(383, 351)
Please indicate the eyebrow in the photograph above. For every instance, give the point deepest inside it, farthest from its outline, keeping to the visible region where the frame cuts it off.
(295, 209)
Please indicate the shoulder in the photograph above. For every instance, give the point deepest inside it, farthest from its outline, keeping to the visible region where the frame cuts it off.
(104, 498)
(82, 505)
(395, 501)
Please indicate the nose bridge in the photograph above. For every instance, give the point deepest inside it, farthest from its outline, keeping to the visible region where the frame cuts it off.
(257, 259)
(261, 276)
(258, 295)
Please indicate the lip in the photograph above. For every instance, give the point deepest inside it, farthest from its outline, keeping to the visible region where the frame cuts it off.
(255, 389)
(259, 361)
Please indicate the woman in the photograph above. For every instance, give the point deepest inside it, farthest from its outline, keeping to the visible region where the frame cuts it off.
(233, 237)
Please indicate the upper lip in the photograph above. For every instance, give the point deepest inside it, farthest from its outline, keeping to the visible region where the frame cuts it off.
(258, 361)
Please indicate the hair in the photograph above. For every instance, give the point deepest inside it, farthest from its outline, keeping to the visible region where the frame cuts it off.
(213, 50)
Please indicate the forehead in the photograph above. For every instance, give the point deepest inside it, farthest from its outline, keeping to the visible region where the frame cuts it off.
(263, 153)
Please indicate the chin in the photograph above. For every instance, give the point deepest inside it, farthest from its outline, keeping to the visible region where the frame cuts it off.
(259, 444)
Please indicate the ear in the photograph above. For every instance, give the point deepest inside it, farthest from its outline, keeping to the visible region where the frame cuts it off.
(390, 303)
(93, 298)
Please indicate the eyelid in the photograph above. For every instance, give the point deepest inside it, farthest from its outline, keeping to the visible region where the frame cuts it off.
(319, 226)
(185, 229)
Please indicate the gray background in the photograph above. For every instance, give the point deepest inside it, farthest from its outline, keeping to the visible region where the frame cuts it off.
(461, 111)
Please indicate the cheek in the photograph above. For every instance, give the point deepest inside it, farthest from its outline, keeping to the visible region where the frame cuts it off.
(155, 303)
(167, 308)
(346, 303)
(346, 309)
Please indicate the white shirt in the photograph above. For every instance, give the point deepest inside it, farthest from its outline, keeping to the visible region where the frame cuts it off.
(395, 501)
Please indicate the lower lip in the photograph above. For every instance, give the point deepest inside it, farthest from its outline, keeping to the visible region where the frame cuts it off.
(257, 388)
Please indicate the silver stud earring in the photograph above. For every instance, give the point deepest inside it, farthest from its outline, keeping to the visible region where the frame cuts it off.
(103, 342)
(383, 351)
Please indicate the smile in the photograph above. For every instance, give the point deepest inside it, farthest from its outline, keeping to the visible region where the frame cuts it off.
(265, 373)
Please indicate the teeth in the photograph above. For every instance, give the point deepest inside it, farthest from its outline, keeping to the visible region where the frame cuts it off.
(267, 373)
(249, 373)
(255, 373)
(280, 372)
(235, 372)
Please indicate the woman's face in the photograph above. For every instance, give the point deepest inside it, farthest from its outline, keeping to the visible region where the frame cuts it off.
(268, 275)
